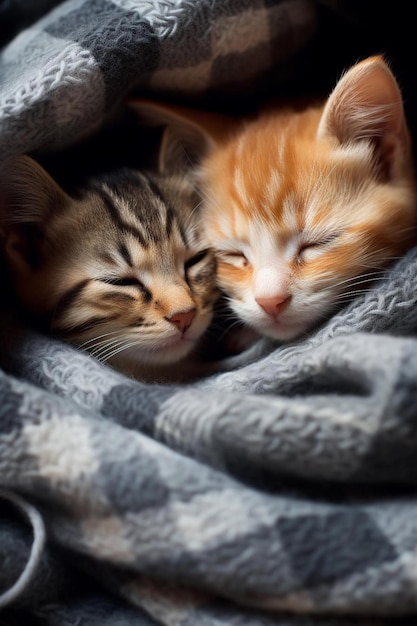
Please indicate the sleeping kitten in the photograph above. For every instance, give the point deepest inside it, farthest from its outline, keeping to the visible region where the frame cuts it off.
(120, 269)
(303, 205)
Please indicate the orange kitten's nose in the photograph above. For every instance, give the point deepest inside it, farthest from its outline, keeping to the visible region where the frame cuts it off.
(274, 305)
(182, 320)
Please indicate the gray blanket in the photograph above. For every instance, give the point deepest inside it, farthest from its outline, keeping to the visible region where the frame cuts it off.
(279, 493)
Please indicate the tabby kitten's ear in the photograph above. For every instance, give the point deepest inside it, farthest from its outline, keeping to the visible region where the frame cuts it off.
(367, 104)
(28, 196)
(188, 136)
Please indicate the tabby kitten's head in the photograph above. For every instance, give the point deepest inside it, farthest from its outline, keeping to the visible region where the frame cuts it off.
(120, 269)
(304, 206)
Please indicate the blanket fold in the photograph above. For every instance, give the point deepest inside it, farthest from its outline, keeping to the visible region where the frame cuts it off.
(279, 492)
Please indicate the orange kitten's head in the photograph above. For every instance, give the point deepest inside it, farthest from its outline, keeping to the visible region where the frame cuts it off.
(304, 207)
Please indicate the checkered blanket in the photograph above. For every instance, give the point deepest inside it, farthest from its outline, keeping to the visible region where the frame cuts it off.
(280, 493)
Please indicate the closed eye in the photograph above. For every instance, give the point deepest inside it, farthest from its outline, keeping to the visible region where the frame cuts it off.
(122, 282)
(129, 281)
(237, 259)
(309, 246)
(319, 243)
(194, 260)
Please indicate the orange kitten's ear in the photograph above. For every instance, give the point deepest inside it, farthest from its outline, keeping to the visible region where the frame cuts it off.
(28, 194)
(367, 104)
(189, 133)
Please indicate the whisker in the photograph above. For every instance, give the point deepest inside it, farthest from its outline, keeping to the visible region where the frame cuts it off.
(86, 343)
(121, 348)
(101, 349)
(362, 278)
(116, 346)
(350, 295)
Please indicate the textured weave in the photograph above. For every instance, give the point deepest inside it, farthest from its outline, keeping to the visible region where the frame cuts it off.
(279, 493)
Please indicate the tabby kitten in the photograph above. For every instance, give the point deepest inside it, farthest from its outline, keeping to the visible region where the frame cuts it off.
(119, 269)
(303, 205)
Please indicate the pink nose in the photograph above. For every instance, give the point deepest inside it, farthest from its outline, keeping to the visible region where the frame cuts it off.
(274, 305)
(182, 320)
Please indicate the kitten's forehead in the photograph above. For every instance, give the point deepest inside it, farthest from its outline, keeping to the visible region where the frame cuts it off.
(141, 210)
(157, 209)
(291, 188)
(135, 222)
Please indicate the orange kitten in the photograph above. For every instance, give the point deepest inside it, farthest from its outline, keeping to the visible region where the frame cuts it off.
(303, 206)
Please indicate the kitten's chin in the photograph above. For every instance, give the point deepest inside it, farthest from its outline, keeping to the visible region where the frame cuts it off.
(179, 362)
(281, 330)
(168, 354)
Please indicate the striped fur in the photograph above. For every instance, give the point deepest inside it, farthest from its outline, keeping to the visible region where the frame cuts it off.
(120, 270)
(305, 206)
